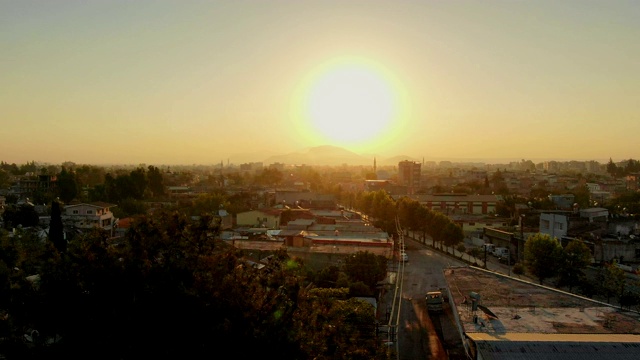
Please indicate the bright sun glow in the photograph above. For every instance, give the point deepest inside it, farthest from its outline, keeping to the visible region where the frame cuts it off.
(349, 103)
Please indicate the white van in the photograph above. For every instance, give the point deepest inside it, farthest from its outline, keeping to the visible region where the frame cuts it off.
(488, 247)
(500, 252)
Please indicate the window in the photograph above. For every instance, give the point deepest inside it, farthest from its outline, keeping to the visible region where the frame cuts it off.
(89, 212)
(544, 224)
(75, 212)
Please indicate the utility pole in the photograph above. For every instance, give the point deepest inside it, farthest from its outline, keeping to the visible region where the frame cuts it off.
(521, 237)
(485, 257)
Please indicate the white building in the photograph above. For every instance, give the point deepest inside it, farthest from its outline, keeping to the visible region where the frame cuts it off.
(90, 215)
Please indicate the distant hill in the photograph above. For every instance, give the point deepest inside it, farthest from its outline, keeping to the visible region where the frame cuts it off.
(321, 155)
(395, 160)
(330, 155)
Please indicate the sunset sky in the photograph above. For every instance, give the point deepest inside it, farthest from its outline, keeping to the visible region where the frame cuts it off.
(197, 82)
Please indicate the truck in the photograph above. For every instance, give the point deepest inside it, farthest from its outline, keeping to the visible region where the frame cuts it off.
(435, 301)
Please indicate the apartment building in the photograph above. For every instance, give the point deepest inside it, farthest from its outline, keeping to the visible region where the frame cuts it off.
(409, 175)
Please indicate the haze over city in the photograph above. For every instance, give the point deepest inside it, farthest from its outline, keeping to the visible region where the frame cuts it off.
(183, 82)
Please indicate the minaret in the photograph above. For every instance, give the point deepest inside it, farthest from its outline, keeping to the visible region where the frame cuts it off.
(374, 164)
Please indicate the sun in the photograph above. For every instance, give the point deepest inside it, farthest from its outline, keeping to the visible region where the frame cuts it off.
(349, 103)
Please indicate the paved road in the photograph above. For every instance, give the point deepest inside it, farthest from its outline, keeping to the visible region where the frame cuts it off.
(417, 334)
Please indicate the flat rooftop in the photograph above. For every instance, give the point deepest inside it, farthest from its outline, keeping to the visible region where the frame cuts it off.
(524, 307)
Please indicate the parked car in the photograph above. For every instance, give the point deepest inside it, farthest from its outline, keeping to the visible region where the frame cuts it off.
(507, 259)
(404, 257)
(501, 251)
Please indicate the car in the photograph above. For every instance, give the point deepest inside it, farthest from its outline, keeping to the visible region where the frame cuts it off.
(404, 257)
(500, 251)
(488, 248)
(507, 259)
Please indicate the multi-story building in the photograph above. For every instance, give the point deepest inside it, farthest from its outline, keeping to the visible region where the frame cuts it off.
(409, 175)
(86, 216)
(460, 204)
(30, 184)
(633, 181)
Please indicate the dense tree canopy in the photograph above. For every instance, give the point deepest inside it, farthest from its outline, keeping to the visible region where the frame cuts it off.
(576, 256)
(67, 185)
(20, 215)
(543, 255)
(168, 289)
(366, 267)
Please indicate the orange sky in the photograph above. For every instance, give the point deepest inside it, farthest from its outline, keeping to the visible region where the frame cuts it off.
(185, 82)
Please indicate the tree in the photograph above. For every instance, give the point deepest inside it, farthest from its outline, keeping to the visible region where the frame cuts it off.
(130, 207)
(498, 183)
(612, 281)
(207, 203)
(543, 254)
(424, 217)
(125, 187)
(166, 290)
(67, 185)
(156, 181)
(269, 177)
(410, 213)
(337, 327)
(437, 225)
(384, 211)
(4, 179)
(138, 183)
(56, 229)
(576, 256)
(612, 167)
(366, 267)
(24, 215)
(461, 249)
(452, 234)
(582, 195)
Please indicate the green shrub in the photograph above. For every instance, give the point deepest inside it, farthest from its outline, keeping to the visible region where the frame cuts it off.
(518, 269)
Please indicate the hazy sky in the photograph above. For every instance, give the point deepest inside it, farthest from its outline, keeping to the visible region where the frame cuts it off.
(184, 82)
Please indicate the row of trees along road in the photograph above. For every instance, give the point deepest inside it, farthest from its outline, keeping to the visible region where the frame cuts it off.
(169, 289)
(546, 258)
(383, 210)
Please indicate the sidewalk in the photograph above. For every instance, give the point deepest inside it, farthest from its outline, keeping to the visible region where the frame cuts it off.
(473, 261)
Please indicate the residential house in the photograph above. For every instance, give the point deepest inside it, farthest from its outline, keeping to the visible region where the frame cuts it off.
(90, 215)
(563, 201)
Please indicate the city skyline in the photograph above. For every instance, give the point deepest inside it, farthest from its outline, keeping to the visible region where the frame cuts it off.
(190, 82)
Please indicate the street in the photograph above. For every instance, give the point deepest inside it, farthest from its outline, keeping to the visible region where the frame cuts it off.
(419, 335)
